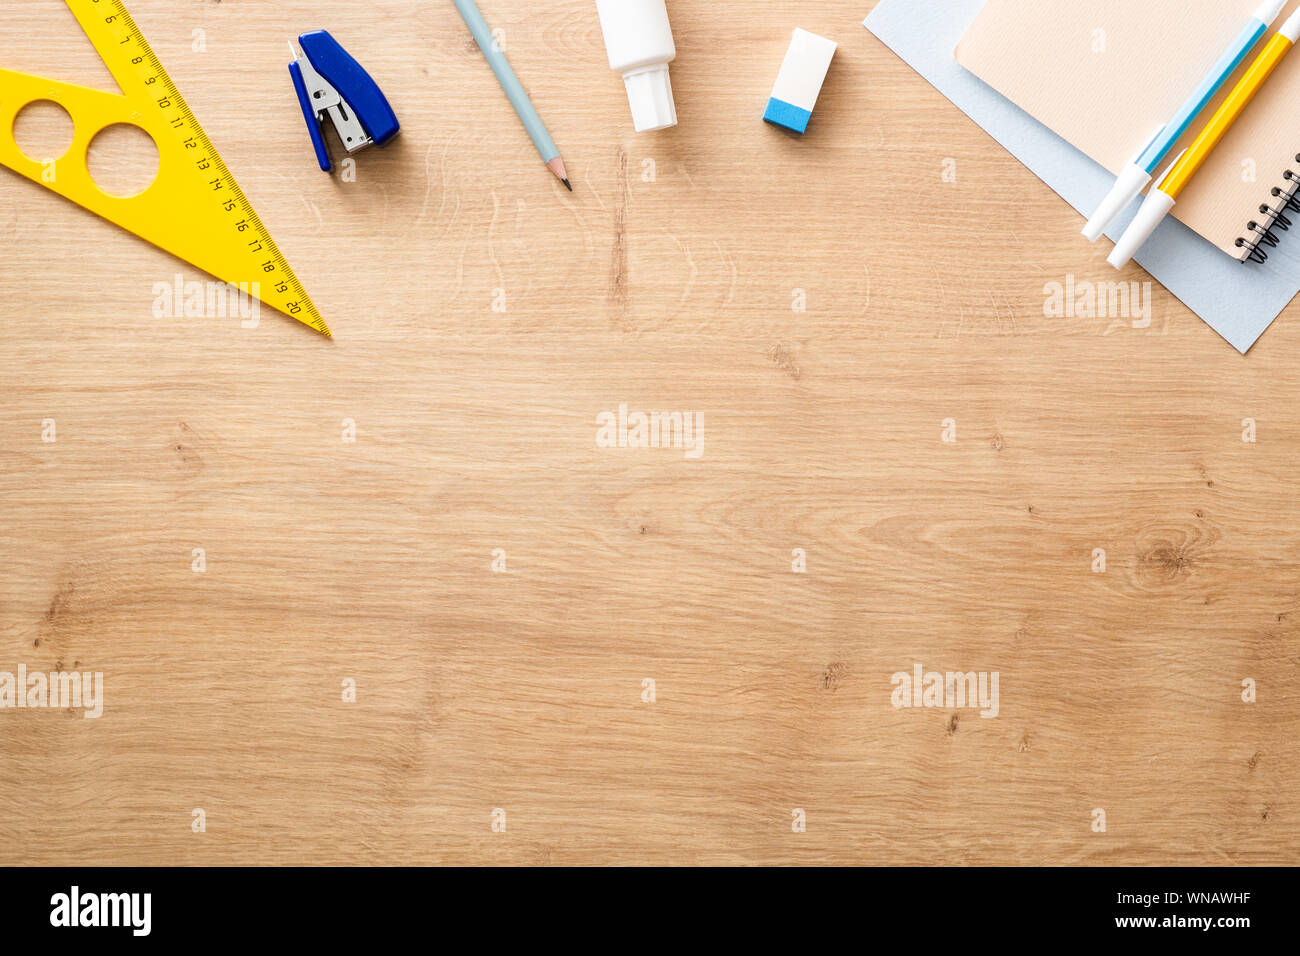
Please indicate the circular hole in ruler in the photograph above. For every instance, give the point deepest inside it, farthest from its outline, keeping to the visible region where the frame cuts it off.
(43, 131)
(122, 160)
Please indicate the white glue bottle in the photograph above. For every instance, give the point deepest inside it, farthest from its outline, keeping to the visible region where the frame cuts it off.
(639, 41)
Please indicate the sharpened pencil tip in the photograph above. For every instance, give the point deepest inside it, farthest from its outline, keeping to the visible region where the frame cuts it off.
(557, 167)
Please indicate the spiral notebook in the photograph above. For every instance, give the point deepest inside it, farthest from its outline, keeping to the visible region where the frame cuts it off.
(1106, 74)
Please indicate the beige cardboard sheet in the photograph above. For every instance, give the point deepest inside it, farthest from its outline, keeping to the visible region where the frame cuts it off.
(1106, 74)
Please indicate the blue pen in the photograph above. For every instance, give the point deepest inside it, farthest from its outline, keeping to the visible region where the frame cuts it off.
(1138, 173)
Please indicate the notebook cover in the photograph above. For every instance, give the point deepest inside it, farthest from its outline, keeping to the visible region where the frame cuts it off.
(1105, 75)
(1239, 302)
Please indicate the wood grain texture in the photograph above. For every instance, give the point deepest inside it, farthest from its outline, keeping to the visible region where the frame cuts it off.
(476, 430)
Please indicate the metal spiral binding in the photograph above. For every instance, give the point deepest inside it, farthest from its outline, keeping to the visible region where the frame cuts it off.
(1265, 232)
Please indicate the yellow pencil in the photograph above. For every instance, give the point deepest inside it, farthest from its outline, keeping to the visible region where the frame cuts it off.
(1161, 200)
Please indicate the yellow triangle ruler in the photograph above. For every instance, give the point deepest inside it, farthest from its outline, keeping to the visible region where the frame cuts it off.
(194, 209)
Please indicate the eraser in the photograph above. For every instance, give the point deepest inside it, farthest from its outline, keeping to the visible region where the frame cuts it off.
(800, 81)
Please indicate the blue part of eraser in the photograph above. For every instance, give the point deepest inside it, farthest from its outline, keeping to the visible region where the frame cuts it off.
(780, 113)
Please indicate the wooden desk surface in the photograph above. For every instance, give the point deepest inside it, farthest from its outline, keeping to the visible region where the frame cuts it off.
(667, 281)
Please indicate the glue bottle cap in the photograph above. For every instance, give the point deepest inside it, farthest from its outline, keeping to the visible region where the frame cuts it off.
(650, 93)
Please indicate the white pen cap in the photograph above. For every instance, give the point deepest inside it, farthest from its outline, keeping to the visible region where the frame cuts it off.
(1149, 217)
(1269, 10)
(1291, 29)
(1127, 187)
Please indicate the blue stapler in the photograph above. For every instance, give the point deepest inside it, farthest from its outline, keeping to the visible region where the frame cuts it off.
(332, 85)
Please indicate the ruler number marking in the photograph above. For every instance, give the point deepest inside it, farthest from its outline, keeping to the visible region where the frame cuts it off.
(198, 140)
